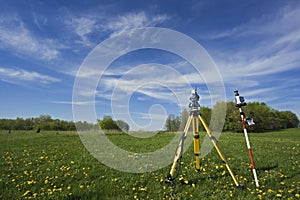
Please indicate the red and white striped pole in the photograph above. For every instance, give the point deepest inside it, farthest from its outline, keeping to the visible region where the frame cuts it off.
(239, 103)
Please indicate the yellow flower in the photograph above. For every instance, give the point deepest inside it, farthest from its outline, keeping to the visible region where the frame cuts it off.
(223, 173)
(26, 192)
(278, 195)
(297, 195)
(270, 191)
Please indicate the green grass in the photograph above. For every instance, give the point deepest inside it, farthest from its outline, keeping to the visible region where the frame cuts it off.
(55, 165)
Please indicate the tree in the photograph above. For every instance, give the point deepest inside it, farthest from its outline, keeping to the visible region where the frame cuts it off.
(122, 125)
(183, 119)
(107, 123)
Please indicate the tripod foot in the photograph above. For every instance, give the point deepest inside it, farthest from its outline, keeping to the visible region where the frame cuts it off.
(169, 180)
(240, 187)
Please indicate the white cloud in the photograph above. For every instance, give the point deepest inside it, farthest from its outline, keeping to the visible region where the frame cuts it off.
(275, 50)
(123, 23)
(82, 27)
(15, 37)
(16, 75)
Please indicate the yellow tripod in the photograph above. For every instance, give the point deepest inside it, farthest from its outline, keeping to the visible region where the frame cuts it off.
(193, 119)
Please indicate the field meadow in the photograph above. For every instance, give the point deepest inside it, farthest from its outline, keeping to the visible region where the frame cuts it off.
(56, 165)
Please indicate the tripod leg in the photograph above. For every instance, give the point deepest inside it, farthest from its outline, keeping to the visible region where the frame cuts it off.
(218, 150)
(196, 142)
(179, 151)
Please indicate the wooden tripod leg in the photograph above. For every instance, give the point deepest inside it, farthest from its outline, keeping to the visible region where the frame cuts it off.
(179, 150)
(219, 152)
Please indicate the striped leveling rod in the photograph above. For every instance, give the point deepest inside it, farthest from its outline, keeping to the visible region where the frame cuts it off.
(248, 146)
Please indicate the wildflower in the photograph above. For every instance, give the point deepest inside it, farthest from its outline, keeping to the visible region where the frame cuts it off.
(297, 195)
(27, 192)
(30, 182)
(223, 173)
(282, 183)
(270, 191)
(278, 195)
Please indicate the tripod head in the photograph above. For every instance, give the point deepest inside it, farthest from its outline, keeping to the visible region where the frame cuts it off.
(239, 100)
(194, 98)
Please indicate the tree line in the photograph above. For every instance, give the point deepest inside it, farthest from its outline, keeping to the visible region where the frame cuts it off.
(265, 118)
(45, 122)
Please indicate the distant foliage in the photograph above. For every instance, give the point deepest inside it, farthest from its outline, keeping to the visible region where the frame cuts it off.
(107, 123)
(43, 122)
(265, 118)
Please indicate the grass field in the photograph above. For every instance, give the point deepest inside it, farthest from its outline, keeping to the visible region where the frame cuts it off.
(55, 165)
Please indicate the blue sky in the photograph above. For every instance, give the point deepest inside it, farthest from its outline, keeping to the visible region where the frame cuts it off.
(254, 44)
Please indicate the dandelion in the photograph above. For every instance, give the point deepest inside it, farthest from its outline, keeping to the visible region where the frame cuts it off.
(270, 191)
(223, 173)
(278, 195)
(27, 192)
(282, 183)
(30, 182)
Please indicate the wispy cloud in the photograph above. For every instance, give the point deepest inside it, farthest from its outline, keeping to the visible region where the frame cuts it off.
(19, 75)
(82, 27)
(18, 39)
(277, 49)
(123, 23)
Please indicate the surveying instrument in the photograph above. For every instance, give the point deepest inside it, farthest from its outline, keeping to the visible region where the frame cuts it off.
(193, 118)
(240, 102)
